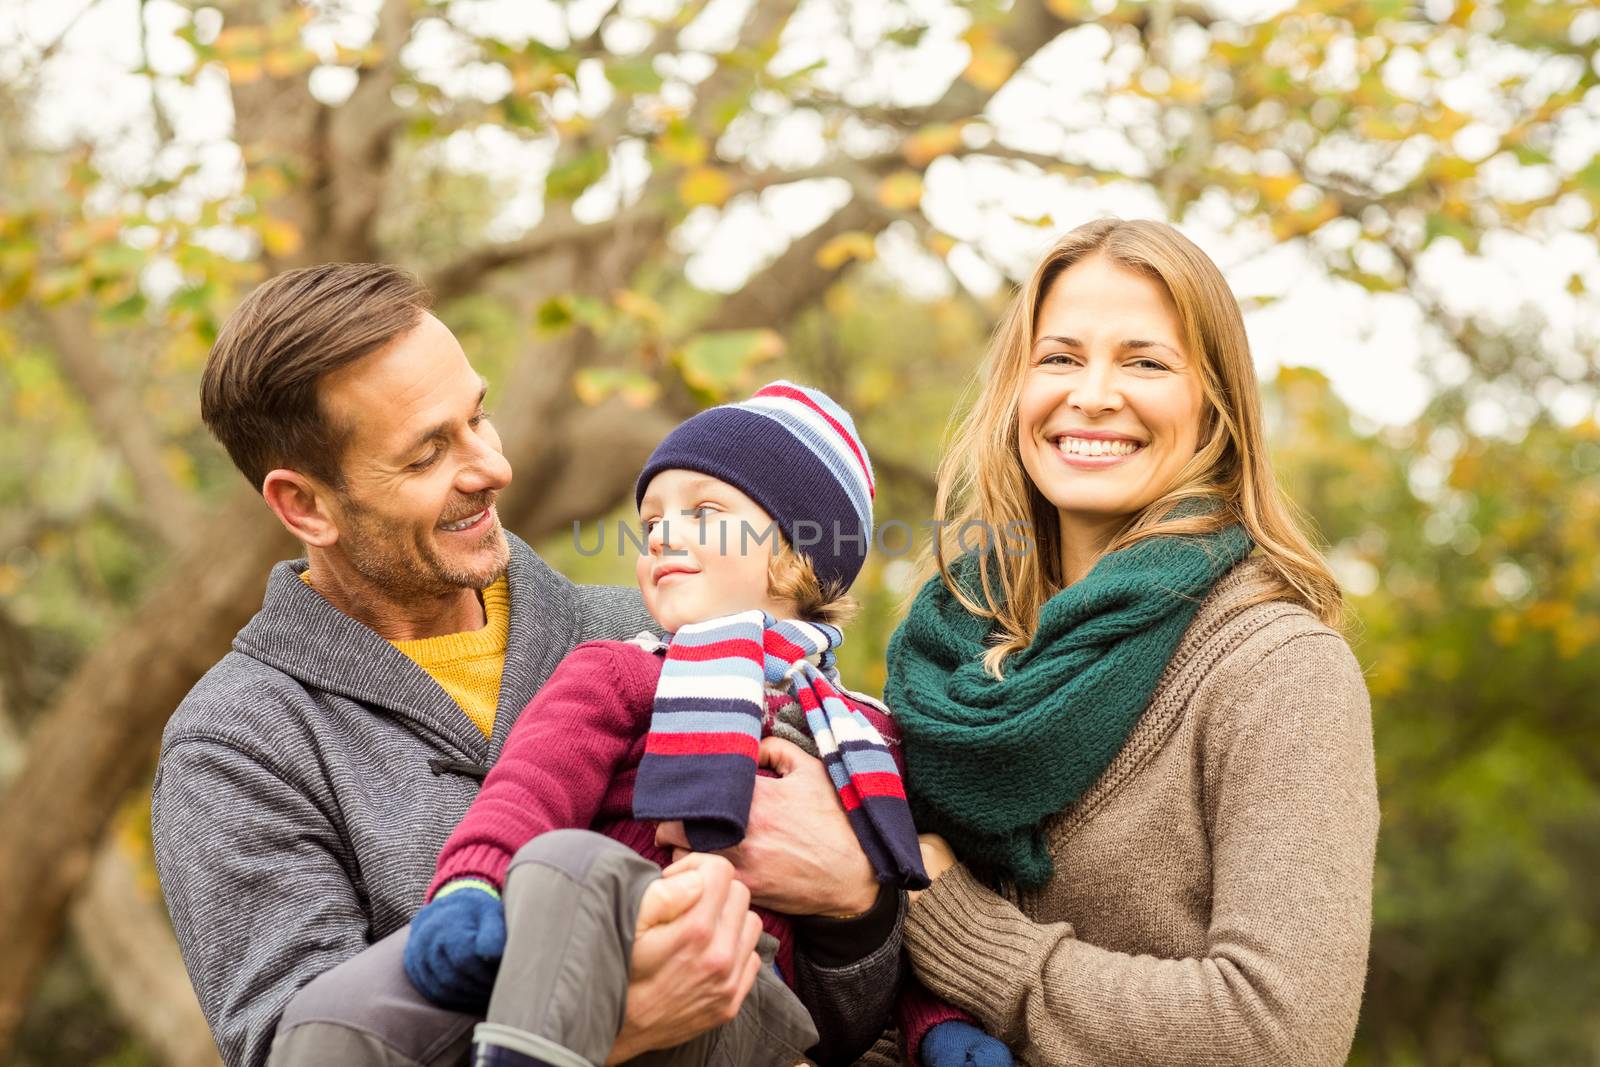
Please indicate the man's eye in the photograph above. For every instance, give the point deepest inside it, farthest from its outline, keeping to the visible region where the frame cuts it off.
(425, 463)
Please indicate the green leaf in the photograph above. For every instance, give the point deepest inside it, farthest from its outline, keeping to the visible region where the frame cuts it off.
(554, 315)
(568, 180)
(636, 74)
(909, 37)
(717, 362)
(595, 384)
(1589, 177)
(1444, 226)
(126, 311)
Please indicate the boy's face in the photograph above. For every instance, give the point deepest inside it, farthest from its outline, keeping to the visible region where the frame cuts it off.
(708, 549)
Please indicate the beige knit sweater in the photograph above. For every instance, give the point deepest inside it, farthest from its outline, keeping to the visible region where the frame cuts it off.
(1212, 895)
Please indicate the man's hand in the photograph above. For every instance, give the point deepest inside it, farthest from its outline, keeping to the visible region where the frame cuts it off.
(799, 855)
(694, 957)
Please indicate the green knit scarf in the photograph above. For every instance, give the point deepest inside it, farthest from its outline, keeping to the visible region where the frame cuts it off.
(989, 759)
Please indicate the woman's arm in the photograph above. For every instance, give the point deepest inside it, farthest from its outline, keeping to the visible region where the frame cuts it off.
(1292, 802)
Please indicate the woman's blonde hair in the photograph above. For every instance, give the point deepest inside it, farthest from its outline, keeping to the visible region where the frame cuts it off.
(982, 481)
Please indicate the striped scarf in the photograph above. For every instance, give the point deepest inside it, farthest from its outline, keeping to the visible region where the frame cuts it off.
(699, 762)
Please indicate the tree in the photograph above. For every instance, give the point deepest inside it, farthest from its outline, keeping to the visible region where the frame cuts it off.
(644, 132)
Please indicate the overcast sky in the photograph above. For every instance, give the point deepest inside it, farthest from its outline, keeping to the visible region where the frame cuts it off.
(1372, 347)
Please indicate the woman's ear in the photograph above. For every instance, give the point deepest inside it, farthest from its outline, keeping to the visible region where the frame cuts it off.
(301, 504)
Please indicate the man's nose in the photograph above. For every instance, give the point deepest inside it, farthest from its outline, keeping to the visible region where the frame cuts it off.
(486, 470)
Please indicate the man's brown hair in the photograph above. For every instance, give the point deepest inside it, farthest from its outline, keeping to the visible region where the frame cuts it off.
(258, 394)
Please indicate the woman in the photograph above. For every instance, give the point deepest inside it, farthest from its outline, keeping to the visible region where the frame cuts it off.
(1143, 746)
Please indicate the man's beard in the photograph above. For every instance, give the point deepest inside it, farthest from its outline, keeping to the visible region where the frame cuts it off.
(400, 565)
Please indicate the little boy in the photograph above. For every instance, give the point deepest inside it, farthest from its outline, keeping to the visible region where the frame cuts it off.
(625, 734)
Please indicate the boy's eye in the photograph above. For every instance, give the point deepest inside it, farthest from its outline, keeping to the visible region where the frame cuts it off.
(701, 511)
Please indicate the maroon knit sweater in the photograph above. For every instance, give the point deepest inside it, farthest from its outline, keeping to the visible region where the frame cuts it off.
(570, 763)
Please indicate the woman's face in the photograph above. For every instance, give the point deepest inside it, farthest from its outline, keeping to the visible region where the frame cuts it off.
(1111, 401)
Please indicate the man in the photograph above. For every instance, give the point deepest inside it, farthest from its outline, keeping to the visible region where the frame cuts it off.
(308, 780)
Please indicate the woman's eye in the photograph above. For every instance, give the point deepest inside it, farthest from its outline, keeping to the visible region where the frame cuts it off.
(1058, 359)
(480, 417)
(1149, 364)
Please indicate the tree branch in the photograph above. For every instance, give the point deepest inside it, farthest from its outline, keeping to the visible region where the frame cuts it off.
(118, 414)
(360, 139)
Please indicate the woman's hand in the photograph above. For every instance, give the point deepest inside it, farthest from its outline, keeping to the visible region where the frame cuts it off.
(936, 858)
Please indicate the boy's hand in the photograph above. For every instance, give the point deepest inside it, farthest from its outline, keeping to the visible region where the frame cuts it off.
(799, 855)
(454, 948)
(959, 1044)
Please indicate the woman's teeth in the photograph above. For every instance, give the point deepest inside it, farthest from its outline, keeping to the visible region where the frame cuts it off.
(1083, 446)
(463, 524)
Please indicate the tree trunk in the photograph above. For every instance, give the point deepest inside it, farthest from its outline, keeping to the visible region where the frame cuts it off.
(121, 928)
(96, 743)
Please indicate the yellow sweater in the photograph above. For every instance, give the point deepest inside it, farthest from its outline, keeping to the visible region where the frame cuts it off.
(467, 665)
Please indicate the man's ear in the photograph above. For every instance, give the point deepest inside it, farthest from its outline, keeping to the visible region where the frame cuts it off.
(302, 505)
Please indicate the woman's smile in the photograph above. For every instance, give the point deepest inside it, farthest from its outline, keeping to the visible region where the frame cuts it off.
(1094, 450)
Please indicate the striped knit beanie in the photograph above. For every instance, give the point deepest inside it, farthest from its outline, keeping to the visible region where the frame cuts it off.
(796, 453)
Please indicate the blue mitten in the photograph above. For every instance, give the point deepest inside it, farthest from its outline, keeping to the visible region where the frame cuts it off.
(954, 1043)
(456, 941)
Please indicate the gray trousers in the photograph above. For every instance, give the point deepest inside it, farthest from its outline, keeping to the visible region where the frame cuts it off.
(572, 904)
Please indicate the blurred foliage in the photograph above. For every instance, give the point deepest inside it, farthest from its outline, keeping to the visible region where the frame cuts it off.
(1347, 130)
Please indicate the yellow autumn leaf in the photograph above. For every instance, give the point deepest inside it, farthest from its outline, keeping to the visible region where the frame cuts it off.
(279, 238)
(1069, 10)
(705, 185)
(595, 384)
(901, 191)
(845, 247)
(243, 69)
(680, 144)
(991, 63)
(1277, 187)
(840, 300)
(637, 306)
(285, 62)
(931, 142)
(240, 38)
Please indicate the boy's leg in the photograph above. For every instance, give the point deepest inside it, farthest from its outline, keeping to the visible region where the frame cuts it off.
(772, 1029)
(365, 1013)
(572, 907)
